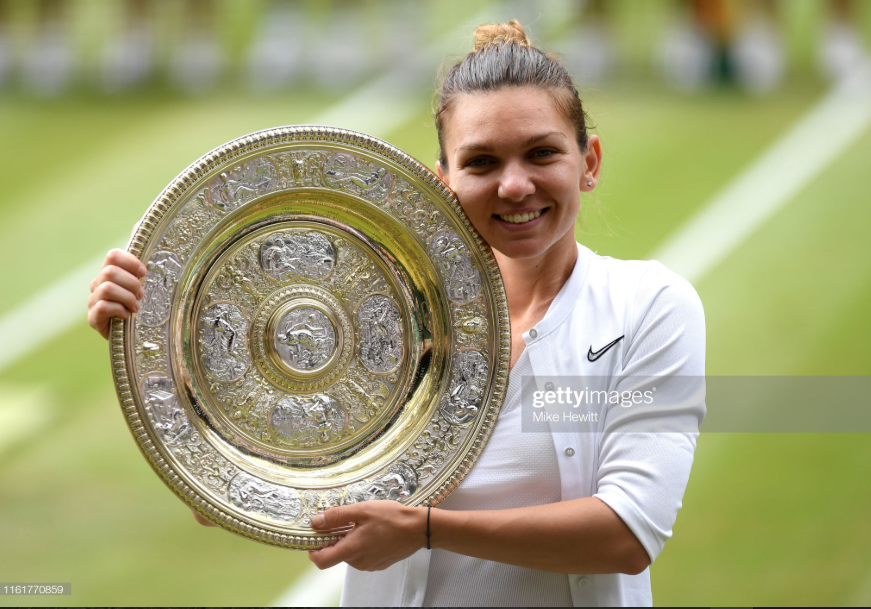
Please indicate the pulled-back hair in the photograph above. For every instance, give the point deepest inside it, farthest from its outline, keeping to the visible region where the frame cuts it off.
(503, 56)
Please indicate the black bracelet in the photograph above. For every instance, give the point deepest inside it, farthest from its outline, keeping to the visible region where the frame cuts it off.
(428, 510)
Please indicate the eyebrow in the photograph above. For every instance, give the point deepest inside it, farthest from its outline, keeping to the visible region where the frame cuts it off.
(480, 147)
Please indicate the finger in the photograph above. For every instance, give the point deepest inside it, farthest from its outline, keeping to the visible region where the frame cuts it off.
(331, 556)
(122, 277)
(100, 314)
(126, 261)
(201, 520)
(332, 518)
(114, 293)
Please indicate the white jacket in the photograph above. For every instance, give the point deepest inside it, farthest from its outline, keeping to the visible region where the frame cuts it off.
(636, 459)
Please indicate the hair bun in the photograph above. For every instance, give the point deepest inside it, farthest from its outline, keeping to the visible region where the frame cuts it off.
(495, 33)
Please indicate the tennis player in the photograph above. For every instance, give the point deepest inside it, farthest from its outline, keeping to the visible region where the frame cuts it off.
(563, 518)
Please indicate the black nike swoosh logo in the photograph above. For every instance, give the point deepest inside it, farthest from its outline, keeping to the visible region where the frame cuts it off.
(594, 355)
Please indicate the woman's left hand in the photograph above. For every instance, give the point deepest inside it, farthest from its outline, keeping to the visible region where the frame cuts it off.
(384, 533)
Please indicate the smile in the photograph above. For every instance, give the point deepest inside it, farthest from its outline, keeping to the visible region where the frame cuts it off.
(521, 218)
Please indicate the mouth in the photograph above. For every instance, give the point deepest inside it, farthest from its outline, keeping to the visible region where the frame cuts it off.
(523, 219)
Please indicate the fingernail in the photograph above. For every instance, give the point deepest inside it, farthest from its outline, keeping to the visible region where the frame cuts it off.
(140, 294)
(319, 520)
(142, 270)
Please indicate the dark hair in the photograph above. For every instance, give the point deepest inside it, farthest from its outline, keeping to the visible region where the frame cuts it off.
(503, 56)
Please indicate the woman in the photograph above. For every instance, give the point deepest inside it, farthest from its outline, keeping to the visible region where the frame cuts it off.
(569, 518)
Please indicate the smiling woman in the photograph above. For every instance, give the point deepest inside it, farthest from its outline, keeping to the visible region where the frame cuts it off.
(576, 515)
(596, 502)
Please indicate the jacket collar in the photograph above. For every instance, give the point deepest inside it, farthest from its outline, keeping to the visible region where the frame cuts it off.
(565, 300)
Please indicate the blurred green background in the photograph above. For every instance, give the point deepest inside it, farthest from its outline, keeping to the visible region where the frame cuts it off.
(768, 519)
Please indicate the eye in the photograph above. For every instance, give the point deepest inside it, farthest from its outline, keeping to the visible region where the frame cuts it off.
(543, 153)
(478, 162)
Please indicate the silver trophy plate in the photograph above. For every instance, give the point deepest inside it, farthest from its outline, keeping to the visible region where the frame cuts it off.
(321, 326)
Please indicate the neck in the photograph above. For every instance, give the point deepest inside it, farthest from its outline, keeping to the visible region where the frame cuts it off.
(531, 284)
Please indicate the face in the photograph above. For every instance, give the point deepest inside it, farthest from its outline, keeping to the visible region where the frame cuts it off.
(514, 162)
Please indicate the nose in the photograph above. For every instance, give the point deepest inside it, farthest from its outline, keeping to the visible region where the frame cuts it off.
(515, 183)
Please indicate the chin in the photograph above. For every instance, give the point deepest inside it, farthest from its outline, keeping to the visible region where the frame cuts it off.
(520, 250)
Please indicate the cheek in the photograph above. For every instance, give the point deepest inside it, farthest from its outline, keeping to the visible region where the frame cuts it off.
(473, 195)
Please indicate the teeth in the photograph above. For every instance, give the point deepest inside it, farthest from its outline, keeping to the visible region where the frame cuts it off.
(521, 218)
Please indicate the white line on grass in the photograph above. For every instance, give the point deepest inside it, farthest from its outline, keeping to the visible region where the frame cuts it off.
(770, 182)
(22, 411)
(47, 314)
(314, 588)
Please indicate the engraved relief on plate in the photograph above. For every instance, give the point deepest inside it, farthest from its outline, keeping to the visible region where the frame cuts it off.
(470, 324)
(305, 339)
(254, 495)
(451, 256)
(167, 414)
(306, 421)
(307, 254)
(469, 374)
(379, 332)
(241, 183)
(344, 171)
(164, 269)
(224, 342)
(400, 482)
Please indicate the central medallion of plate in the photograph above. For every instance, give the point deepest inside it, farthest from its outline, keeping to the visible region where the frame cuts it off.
(305, 339)
(302, 338)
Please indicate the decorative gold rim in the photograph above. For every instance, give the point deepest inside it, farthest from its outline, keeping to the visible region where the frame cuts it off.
(122, 362)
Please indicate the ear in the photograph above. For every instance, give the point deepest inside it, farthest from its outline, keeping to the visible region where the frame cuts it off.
(443, 173)
(592, 163)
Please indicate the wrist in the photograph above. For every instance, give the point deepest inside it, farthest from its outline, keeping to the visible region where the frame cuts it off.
(416, 520)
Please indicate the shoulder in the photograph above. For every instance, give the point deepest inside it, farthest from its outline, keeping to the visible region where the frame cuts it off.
(639, 286)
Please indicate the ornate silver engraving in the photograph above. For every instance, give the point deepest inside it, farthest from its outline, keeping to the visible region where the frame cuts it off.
(241, 183)
(150, 349)
(300, 168)
(240, 280)
(254, 495)
(315, 502)
(400, 482)
(415, 210)
(356, 275)
(193, 221)
(451, 256)
(224, 342)
(308, 421)
(167, 415)
(346, 172)
(434, 446)
(361, 393)
(379, 327)
(469, 373)
(470, 324)
(305, 339)
(205, 463)
(247, 402)
(309, 254)
(164, 269)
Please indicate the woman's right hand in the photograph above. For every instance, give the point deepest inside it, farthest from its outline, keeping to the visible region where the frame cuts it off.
(116, 290)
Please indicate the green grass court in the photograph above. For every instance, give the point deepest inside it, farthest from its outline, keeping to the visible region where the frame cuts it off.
(768, 519)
